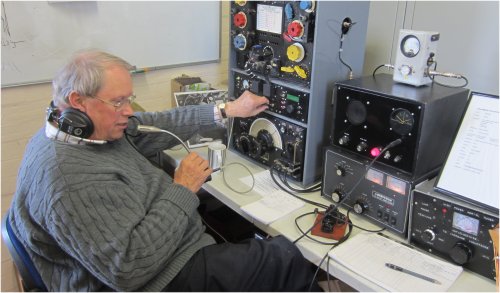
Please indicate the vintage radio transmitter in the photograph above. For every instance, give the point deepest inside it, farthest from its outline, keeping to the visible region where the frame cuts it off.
(370, 113)
(452, 229)
(382, 195)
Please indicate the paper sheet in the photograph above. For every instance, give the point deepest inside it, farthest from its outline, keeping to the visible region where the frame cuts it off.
(367, 253)
(275, 203)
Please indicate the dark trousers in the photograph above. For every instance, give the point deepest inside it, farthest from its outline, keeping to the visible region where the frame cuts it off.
(252, 265)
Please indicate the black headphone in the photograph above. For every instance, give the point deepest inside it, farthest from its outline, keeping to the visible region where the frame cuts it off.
(71, 121)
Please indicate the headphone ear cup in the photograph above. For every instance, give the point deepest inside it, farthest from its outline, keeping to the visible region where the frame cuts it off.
(75, 122)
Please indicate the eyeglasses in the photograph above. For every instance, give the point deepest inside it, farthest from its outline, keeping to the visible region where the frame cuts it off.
(119, 105)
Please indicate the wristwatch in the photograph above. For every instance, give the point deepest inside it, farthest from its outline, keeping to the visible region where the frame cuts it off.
(222, 110)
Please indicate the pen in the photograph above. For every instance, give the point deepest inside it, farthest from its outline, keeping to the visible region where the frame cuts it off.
(400, 269)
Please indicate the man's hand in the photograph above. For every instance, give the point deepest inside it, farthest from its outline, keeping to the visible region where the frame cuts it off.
(192, 172)
(247, 105)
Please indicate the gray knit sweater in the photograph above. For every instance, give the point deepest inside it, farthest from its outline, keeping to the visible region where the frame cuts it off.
(99, 217)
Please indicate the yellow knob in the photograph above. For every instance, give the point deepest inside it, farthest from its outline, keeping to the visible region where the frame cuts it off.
(295, 52)
(300, 72)
(287, 69)
(240, 2)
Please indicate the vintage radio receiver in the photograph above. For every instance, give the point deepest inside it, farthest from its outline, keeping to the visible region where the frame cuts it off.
(370, 112)
(452, 229)
(292, 52)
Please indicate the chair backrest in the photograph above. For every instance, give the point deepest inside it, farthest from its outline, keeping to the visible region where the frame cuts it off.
(29, 274)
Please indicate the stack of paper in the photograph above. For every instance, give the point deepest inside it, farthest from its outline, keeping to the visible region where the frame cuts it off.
(368, 253)
(275, 202)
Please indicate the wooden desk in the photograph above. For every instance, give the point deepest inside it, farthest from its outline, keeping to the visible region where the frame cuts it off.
(311, 250)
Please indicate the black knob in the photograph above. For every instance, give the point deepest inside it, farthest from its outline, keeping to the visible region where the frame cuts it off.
(428, 235)
(344, 140)
(337, 195)
(361, 146)
(461, 253)
(340, 171)
(290, 109)
(359, 207)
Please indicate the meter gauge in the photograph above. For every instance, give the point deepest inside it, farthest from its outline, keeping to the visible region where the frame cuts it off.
(410, 46)
(401, 121)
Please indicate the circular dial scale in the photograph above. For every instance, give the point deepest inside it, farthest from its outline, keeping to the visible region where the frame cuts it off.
(410, 46)
(401, 121)
(264, 124)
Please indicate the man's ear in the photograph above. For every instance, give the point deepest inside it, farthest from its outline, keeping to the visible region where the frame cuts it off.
(76, 101)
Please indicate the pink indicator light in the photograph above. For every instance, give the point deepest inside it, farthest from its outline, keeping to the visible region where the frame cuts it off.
(375, 152)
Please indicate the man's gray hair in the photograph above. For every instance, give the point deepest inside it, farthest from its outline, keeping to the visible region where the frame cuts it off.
(83, 74)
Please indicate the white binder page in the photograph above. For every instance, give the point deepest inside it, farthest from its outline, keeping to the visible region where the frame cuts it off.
(471, 169)
(368, 254)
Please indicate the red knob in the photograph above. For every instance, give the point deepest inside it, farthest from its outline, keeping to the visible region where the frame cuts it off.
(295, 29)
(240, 19)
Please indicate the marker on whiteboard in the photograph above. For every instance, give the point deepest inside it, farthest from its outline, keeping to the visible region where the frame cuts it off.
(139, 70)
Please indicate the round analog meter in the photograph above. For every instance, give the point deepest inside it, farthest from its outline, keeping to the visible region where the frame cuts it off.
(401, 121)
(410, 46)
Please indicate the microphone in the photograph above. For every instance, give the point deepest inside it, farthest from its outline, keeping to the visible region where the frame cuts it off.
(154, 129)
(135, 127)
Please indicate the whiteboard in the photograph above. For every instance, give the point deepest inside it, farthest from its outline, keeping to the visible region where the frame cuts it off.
(38, 37)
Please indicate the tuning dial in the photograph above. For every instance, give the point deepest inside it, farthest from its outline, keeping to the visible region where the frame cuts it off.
(359, 207)
(461, 253)
(428, 235)
(337, 195)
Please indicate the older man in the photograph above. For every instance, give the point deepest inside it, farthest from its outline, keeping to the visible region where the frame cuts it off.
(95, 214)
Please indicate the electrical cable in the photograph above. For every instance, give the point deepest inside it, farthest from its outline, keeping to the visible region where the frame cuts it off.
(215, 231)
(340, 56)
(433, 73)
(340, 241)
(227, 184)
(287, 191)
(380, 66)
(282, 175)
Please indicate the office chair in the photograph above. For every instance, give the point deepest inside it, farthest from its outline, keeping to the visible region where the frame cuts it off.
(30, 278)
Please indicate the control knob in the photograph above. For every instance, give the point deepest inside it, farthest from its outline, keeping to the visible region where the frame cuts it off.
(337, 195)
(461, 253)
(359, 207)
(361, 146)
(344, 140)
(340, 171)
(428, 235)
